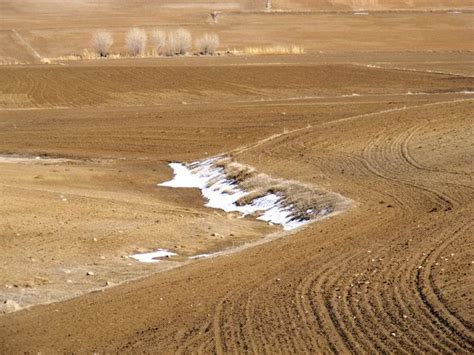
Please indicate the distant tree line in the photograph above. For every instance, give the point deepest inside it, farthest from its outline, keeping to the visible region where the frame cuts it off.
(172, 43)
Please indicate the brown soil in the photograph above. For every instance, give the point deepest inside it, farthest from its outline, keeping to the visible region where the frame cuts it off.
(63, 29)
(393, 273)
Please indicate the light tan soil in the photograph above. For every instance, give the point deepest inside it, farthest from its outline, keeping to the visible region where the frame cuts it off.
(63, 29)
(405, 159)
(393, 273)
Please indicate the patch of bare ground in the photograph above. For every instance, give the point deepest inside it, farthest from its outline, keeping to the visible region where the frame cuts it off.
(13, 51)
(99, 213)
(465, 68)
(57, 86)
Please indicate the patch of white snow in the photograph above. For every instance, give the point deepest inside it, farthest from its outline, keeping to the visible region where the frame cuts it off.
(151, 257)
(222, 193)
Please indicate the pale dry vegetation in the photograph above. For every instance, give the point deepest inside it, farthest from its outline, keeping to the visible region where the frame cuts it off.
(272, 50)
(136, 42)
(183, 41)
(305, 200)
(159, 42)
(172, 43)
(101, 43)
(176, 42)
(207, 44)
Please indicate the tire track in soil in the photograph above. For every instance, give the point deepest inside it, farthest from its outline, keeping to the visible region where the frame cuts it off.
(374, 310)
(430, 294)
(322, 303)
(379, 305)
(33, 52)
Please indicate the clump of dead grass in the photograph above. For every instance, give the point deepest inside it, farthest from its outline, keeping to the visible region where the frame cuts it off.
(264, 50)
(85, 55)
(305, 200)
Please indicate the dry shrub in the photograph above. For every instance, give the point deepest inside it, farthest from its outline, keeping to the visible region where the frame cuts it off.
(252, 195)
(236, 171)
(207, 44)
(171, 44)
(177, 43)
(136, 41)
(101, 43)
(183, 41)
(159, 42)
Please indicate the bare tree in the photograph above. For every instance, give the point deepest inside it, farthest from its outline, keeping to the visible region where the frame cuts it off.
(159, 41)
(101, 43)
(183, 41)
(171, 44)
(207, 44)
(136, 41)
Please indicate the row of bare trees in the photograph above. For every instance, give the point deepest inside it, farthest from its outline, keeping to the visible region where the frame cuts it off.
(171, 43)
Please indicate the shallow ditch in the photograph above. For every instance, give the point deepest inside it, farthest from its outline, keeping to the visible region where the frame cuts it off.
(241, 196)
(234, 187)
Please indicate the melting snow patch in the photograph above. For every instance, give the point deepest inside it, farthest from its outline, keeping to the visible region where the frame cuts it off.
(374, 66)
(222, 193)
(151, 257)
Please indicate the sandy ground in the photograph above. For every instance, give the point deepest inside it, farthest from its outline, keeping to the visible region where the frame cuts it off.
(384, 125)
(31, 31)
(98, 215)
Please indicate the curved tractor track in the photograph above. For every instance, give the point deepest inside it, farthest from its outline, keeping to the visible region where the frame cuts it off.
(382, 299)
(393, 274)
